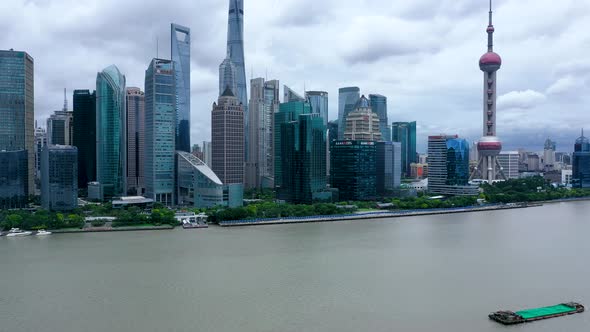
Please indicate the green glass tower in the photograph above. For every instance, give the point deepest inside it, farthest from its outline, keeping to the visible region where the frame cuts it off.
(303, 152)
(405, 133)
(111, 131)
(85, 135)
(353, 169)
(288, 112)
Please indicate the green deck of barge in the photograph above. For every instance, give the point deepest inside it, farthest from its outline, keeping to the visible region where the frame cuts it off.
(545, 311)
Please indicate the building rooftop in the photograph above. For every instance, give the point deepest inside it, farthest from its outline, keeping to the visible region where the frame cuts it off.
(201, 166)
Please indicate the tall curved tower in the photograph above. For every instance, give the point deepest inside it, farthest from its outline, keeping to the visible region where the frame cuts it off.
(489, 146)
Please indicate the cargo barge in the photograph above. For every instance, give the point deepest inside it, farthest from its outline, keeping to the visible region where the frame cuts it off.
(531, 315)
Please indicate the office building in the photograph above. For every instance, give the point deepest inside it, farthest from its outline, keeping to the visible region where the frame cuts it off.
(319, 103)
(60, 128)
(549, 155)
(389, 166)
(135, 141)
(419, 171)
(566, 177)
(14, 179)
(303, 153)
(581, 163)
(288, 112)
(264, 103)
(59, 180)
(448, 166)
(17, 109)
(227, 139)
(331, 135)
(347, 99)
(111, 134)
(207, 158)
(197, 184)
(40, 142)
(85, 135)
(379, 106)
(362, 124)
(509, 163)
(160, 131)
(405, 133)
(181, 56)
(353, 169)
(289, 95)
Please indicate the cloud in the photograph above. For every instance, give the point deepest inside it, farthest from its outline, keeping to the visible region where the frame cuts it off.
(521, 99)
(565, 85)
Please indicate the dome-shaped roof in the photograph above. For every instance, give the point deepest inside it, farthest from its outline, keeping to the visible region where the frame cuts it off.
(490, 58)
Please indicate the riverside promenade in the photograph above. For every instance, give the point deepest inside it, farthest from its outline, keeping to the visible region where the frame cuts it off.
(374, 215)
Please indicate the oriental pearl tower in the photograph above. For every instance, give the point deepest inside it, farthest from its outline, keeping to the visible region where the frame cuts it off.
(489, 146)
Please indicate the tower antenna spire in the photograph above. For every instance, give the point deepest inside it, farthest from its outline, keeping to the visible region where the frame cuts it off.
(490, 12)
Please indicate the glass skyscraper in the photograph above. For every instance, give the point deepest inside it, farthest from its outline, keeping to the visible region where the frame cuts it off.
(17, 109)
(347, 99)
(160, 131)
(13, 179)
(85, 135)
(319, 103)
(303, 153)
(379, 106)
(353, 169)
(388, 167)
(111, 131)
(288, 112)
(405, 133)
(135, 141)
(59, 177)
(448, 166)
(581, 163)
(181, 56)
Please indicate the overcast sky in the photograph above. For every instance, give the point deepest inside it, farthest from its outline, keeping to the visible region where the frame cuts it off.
(421, 54)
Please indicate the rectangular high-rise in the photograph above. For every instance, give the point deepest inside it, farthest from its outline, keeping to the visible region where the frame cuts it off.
(448, 166)
(319, 103)
(180, 40)
(347, 99)
(17, 108)
(379, 106)
(405, 133)
(264, 103)
(509, 162)
(353, 169)
(227, 139)
(160, 131)
(59, 177)
(388, 167)
(60, 128)
(84, 137)
(135, 141)
(13, 179)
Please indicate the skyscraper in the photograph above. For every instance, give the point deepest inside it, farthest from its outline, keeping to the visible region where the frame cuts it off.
(549, 155)
(362, 123)
(347, 99)
(207, 158)
(181, 56)
(60, 128)
(405, 133)
(85, 135)
(135, 141)
(353, 169)
(160, 131)
(227, 139)
(489, 146)
(111, 134)
(303, 153)
(288, 112)
(319, 103)
(264, 102)
(40, 142)
(13, 179)
(581, 163)
(379, 106)
(388, 166)
(448, 166)
(59, 180)
(17, 109)
(509, 162)
(227, 76)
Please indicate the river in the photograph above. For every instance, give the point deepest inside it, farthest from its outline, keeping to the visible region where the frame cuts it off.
(432, 273)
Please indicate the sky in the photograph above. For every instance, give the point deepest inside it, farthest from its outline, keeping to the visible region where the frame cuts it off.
(422, 54)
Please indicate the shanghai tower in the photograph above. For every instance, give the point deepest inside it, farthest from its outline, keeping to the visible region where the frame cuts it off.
(489, 147)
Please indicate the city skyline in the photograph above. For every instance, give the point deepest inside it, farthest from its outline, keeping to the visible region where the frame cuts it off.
(387, 64)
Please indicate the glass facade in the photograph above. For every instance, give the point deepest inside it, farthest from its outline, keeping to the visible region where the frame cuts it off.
(347, 99)
(227, 76)
(84, 137)
(379, 107)
(405, 133)
(303, 150)
(160, 131)
(135, 141)
(457, 162)
(197, 185)
(60, 126)
(353, 169)
(17, 109)
(581, 163)
(319, 103)
(111, 131)
(288, 112)
(448, 166)
(181, 56)
(388, 167)
(59, 177)
(13, 179)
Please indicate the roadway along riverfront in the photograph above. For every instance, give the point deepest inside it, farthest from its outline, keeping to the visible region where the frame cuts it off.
(424, 273)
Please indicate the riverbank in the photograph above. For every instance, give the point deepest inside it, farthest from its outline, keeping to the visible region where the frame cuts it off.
(112, 229)
(375, 215)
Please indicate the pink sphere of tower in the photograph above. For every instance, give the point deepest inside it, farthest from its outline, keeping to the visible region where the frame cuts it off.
(490, 62)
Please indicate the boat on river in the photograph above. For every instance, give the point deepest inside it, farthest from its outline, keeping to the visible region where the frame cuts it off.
(18, 232)
(531, 315)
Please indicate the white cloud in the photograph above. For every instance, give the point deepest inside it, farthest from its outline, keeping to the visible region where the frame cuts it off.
(521, 99)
